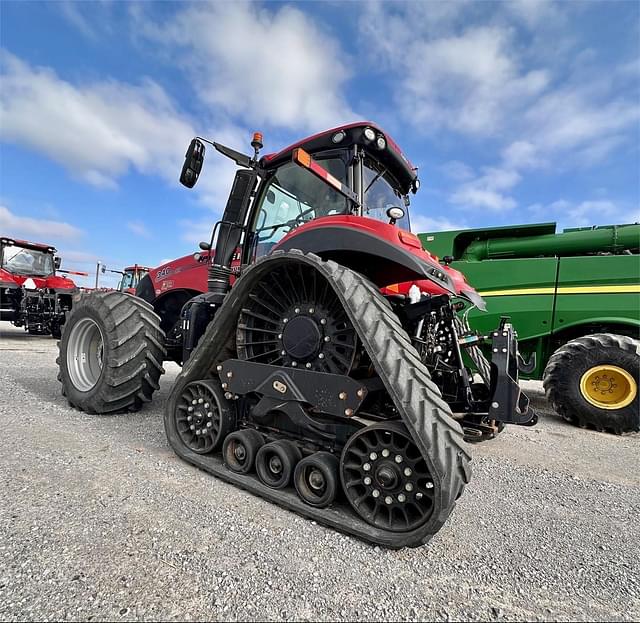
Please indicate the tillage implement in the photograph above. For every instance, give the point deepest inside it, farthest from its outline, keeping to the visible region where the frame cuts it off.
(323, 369)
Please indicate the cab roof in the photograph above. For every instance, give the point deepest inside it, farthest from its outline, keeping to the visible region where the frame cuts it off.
(30, 245)
(391, 157)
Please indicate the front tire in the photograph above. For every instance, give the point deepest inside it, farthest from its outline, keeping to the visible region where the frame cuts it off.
(111, 353)
(593, 382)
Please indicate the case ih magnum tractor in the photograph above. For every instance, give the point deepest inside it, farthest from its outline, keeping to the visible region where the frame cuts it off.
(312, 382)
(31, 294)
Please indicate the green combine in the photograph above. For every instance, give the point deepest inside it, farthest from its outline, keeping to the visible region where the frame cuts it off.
(574, 298)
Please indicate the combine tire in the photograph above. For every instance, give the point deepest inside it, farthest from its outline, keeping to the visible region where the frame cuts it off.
(592, 381)
(111, 353)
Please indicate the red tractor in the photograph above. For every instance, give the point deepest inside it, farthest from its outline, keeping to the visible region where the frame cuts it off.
(131, 277)
(330, 378)
(32, 295)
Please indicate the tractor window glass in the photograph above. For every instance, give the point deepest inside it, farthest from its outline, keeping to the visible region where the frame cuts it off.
(21, 261)
(380, 195)
(127, 281)
(294, 196)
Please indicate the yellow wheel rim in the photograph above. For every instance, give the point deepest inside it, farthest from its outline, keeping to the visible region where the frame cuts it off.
(608, 387)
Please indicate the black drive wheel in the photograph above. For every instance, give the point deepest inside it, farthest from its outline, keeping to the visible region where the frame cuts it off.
(276, 462)
(316, 479)
(203, 417)
(240, 449)
(293, 317)
(593, 381)
(386, 479)
(111, 353)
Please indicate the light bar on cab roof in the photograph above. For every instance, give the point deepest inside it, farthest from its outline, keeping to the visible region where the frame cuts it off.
(304, 159)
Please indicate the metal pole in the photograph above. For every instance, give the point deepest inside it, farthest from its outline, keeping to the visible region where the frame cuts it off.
(97, 273)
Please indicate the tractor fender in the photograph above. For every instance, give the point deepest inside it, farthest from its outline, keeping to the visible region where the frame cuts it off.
(369, 247)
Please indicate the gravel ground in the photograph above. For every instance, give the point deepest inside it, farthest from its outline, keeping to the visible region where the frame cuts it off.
(99, 520)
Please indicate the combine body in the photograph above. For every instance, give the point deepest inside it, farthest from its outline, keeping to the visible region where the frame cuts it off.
(308, 377)
(558, 288)
(32, 295)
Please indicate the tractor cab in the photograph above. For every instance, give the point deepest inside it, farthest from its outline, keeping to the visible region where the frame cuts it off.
(352, 170)
(131, 277)
(27, 259)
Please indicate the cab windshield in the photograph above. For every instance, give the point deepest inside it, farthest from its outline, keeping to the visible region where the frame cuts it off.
(294, 196)
(126, 281)
(380, 195)
(24, 261)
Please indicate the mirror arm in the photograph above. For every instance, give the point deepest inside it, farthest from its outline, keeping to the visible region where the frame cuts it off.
(242, 160)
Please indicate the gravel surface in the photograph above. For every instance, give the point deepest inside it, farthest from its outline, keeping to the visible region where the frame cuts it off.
(99, 520)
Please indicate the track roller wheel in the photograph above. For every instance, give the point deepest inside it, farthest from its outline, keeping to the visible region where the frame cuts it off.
(203, 417)
(316, 479)
(240, 448)
(386, 479)
(276, 462)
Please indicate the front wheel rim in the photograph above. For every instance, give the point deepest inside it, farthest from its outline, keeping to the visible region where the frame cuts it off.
(608, 387)
(85, 354)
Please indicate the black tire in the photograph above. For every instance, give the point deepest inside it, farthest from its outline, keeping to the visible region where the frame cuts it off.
(124, 335)
(325, 465)
(249, 441)
(285, 454)
(570, 364)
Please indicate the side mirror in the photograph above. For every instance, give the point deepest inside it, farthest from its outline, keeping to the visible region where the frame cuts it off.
(205, 246)
(57, 262)
(395, 213)
(193, 160)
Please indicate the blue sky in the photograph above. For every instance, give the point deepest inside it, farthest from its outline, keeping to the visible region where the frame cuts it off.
(514, 112)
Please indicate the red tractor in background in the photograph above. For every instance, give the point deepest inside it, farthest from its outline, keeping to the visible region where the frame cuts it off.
(32, 295)
(131, 277)
(330, 378)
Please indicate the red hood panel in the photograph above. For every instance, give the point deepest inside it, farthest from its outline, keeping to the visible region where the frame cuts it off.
(53, 281)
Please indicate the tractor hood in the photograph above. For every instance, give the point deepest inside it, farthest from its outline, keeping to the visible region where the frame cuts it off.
(55, 282)
(384, 253)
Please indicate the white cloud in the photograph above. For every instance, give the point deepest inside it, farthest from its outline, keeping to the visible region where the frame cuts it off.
(521, 154)
(195, 232)
(139, 228)
(456, 170)
(585, 213)
(421, 223)
(101, 130)
(36, 230)
(96, 131)
(486, 191)
(265, 65)
(71, 11)
(469, 81)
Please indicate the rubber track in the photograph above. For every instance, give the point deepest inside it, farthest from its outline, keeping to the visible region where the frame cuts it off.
(563, 357)
(415, 396)
(137, 353)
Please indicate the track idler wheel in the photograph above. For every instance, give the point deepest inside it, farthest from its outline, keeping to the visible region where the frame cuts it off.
(276, 462)
(386, 479)
(203, 417)
(316, 479)
(240, 449)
